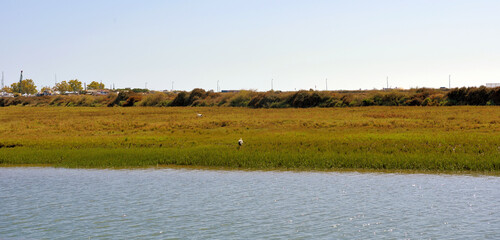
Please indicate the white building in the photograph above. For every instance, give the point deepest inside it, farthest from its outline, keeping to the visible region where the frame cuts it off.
(6, 94)
(492, 85)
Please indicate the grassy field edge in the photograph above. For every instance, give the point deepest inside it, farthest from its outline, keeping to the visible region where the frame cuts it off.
(241, 159)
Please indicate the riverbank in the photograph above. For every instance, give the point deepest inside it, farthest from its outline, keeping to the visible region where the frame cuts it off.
(461, 138)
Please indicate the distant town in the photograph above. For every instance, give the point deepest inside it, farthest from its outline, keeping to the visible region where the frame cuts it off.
(27, 88)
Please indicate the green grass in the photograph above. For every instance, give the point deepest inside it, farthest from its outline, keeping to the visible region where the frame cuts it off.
(457, 139)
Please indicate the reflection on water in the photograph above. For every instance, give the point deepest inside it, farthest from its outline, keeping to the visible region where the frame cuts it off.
(199, 204)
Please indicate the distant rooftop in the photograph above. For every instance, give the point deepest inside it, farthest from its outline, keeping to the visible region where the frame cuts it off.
(492, 85)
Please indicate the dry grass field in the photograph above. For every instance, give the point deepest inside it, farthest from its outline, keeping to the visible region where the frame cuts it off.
(460, 138)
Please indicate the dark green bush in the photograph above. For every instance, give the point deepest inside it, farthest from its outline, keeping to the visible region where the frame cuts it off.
(182, 99)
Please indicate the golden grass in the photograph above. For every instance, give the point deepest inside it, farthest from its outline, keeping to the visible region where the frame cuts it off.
(461, 138)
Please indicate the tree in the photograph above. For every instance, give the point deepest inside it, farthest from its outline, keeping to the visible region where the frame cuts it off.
(46, 89)
(75, 85)
(27, 86)
(6, 89)
(62, 87)
(95, 85)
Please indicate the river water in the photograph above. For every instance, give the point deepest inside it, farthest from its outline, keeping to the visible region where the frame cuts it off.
(54, 203)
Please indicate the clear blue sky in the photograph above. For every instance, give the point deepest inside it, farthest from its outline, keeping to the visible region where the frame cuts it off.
(245, 44)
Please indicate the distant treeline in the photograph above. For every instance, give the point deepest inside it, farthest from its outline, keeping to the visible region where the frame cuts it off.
(273, 99)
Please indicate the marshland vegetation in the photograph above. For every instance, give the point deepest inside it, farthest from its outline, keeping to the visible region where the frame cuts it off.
(460, 138)
(271, 99)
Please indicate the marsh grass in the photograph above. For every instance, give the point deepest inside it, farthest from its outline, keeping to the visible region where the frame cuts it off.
(384, 138)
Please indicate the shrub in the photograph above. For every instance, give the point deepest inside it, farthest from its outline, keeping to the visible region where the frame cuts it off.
(457, 96)
(305, 99)
(196, 94)
(240, 100)
(132, 100)
(155, 99)
(264, 100)
(477, 96)
(495, 96)
(367, 102)
(182, 99)
(471, 96)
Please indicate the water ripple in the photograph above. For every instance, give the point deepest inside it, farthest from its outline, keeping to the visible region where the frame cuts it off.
(48, 203)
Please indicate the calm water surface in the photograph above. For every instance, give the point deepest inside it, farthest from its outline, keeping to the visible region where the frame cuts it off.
(49, 203)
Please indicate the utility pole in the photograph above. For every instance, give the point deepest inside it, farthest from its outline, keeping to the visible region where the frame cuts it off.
(20, 81)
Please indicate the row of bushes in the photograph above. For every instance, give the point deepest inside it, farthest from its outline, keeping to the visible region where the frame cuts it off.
(306, 99)
(274, 99)
(474, 96)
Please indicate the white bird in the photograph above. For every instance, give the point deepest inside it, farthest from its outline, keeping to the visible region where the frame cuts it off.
(199, 115)
(240, 142)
